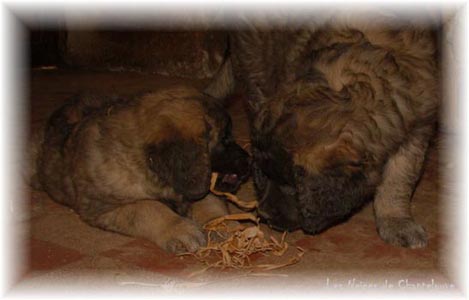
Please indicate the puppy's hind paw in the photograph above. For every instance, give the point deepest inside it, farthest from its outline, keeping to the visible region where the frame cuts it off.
(402, 232)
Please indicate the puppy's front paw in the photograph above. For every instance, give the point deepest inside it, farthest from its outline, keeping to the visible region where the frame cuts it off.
(403, 232)
(184, 236)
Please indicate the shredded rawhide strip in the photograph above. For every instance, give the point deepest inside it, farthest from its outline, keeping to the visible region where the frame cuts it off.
(238, 244)
(231, 245)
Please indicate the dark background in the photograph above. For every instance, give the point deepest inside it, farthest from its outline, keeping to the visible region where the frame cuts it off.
(191, 54)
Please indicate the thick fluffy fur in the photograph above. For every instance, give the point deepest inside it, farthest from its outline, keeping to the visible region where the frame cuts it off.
(111, 159)
(340, 113)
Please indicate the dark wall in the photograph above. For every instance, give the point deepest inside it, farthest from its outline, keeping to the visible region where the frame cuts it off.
(195, 54)
(44, 47)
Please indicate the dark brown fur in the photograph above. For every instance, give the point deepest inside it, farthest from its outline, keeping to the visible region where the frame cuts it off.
(112, 159)
(340, 113)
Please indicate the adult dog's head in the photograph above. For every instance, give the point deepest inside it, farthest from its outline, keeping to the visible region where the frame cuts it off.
(189, 137)
(323, 113)
(312, 166)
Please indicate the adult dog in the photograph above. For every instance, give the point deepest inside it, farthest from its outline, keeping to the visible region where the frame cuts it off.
(136, 165)
(340, 112)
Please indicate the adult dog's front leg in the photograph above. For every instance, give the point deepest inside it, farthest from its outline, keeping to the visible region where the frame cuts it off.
(392, 200)
(156, 222)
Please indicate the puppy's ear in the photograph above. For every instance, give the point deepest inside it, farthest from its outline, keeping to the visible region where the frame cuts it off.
(160, 158)
(182, 164)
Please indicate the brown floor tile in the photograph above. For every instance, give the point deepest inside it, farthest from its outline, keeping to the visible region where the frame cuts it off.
(352, 247)
(148, 256)
(46, 256)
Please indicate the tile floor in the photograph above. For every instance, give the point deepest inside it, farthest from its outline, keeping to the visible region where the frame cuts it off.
(66, 255)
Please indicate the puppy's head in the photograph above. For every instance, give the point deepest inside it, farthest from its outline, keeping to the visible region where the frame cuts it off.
(182, 164)
(187, 139)
(228, 159)
(308, 171)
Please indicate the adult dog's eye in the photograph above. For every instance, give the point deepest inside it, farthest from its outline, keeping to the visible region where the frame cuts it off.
(345, 163)
(354, 166)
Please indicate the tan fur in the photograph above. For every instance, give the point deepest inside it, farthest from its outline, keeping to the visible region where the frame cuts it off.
(355, 94)
(101, 170)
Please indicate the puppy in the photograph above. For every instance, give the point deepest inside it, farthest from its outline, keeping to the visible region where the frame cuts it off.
(340, 113)
(136, 166)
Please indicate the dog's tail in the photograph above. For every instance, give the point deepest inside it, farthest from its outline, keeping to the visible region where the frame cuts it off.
(223, 82)
(30, 165)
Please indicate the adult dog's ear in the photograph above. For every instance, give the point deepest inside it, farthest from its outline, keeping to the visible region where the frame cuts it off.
(327, 199)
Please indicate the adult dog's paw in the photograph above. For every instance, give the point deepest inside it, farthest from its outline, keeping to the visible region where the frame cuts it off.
(402, 232)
